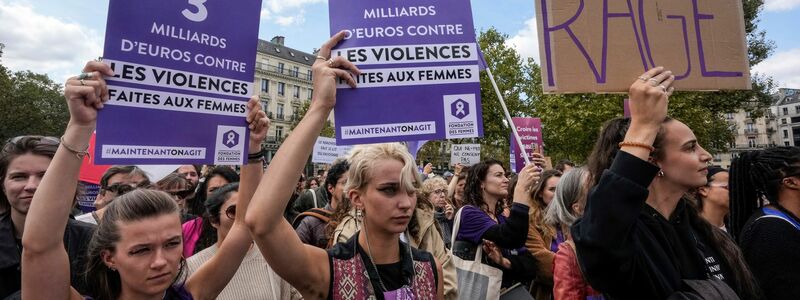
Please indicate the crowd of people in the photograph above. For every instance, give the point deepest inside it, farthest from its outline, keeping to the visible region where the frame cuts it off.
(647, 217)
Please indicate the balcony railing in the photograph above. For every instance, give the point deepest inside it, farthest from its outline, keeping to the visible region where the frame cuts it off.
(282, 71)
(751, 131)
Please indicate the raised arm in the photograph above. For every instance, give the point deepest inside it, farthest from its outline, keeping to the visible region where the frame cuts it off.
(212, 277)
(44, 259)
(603, 235)
(303, 266)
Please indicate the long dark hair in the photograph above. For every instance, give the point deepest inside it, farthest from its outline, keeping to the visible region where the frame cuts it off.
(215, 202)
(103, 283)
(756, 178)
(608, 143)
(208, 235)
(473, 194)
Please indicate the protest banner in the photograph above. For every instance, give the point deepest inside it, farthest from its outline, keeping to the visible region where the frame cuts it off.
(419, 63)
(183, 73)
(465, 154)
(87, 193)
(603, 46)
(530, 132)
(326, 151)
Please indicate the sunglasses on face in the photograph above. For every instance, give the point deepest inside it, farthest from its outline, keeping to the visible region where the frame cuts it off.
(181, 194)
(724, 186)
(230, 212)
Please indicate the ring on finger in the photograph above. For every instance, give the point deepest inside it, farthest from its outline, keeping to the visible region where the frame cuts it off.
(330, 62)
(663, 88)
(85, 75)
(653, 81)
(643, 78)
(321, 57)
(82, 82)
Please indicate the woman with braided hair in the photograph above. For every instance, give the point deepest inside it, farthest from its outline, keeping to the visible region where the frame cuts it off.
(765, 205)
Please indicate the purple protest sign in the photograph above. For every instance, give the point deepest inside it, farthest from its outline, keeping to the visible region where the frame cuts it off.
(419, 63)
(530, 132)
(183, 74)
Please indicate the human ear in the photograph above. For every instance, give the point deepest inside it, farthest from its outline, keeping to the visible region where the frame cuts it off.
(355, 198)
(703, 190)
(108, 259)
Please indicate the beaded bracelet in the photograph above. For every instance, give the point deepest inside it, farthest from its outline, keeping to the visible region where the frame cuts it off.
(638, 145)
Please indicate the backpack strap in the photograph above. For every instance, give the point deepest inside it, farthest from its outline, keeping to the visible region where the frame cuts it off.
(774, 213)
(323, 215)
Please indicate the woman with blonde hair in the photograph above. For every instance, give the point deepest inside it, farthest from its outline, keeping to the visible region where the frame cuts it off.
(382, 183)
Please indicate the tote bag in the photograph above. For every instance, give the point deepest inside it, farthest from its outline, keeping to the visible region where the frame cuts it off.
(476, 280)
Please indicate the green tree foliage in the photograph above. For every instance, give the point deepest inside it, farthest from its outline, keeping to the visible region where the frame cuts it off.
(327, 131)
(32, 104)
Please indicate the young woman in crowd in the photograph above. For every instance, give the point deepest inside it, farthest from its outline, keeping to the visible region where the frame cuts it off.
(382, 182)
(423, 233)
(435, 189)
(179, 188)
(136, 251)
(543, 239)
(639, 238)
(483, 225)
(455, 190)
(254, 279)
(566, 207)
(765, 217)
(23, 162)
(198, 233)
(712, 200)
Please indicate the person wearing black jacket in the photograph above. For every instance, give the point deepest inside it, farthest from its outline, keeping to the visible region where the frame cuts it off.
(765, 217)
(639, 238)
(23, 162)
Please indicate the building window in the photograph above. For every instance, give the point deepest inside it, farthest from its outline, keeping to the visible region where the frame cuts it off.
(751, 141)
(296, 72)
(278, 132)
(786, 144)
(797, 109)
(785, 134)
(280, 111)
(265, 85)
(265, 105)
(295, 111)
(309, 75)
(783, 121)
(281, 88)
(729, 116)
(280, 67)
(297, 91)
(785, 111)
(310, 92)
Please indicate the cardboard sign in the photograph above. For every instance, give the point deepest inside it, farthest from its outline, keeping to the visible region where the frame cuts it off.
(530, 132)
(465, 154)
(604, 45)
(419, 63)
(183, 74)
(326, 151)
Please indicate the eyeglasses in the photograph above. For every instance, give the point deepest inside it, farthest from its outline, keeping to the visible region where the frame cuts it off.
(230, 212)
(439, 191)
(724, 186)
(119, 189)
(181, 194)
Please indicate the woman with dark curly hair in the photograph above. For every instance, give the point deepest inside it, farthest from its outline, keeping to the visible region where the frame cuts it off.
(483, 224)
(198, 233)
